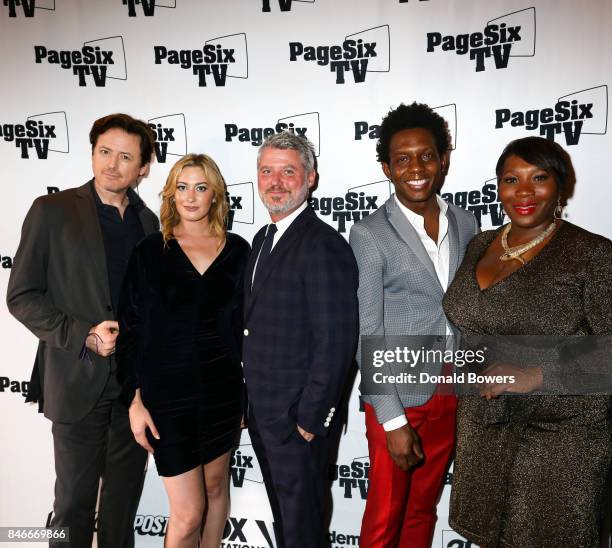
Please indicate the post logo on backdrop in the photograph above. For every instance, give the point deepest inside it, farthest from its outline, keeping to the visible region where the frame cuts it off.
(170, 136)
(306, 125)
(364, 129)
(244, 467)
(38, 135)
(342, 210)
(27, 8)
(483, 203)
(353, 58)
(147, 6)
(240, 197)
(578, 113)
(96, 62)
(351, 479)
(283, 5)
(247, 533)
(213, 63)
(450, 539)
(338, 539)
(511, 35)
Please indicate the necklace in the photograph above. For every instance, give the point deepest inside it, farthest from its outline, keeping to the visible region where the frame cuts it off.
(512, 253)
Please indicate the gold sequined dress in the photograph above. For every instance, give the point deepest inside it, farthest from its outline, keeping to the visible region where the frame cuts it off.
(530, 471)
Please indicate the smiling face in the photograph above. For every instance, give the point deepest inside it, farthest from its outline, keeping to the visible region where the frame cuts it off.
(193, 196)
(282, 181)
(116, 161)
(528, 193)
(415, 167)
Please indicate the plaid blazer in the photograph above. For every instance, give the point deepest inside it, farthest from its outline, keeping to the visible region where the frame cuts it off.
(399, 291)
(300, 328)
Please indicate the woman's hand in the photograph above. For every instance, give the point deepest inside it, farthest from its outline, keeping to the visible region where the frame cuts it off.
(140, 420)
(520, 380)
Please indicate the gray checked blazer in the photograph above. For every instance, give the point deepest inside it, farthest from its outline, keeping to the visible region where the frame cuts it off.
(399, 291)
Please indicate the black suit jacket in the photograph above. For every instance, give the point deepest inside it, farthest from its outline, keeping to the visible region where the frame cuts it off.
(301, 328)
(59, 289)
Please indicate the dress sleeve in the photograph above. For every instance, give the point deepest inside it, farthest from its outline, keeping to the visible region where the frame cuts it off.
(131, 316)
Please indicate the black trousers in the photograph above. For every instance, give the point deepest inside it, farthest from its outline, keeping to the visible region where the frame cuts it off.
(295, 474)
(99, 446)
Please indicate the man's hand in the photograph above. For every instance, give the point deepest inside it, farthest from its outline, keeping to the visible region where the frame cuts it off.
(102, 337)
(404, 447)
(520, 380)
(306, 435)
(140, 420)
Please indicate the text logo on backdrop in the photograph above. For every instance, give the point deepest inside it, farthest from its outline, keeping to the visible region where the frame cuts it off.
(575, 114)
(11, 385)
(450, 539)
(363, 129)
(170, 136)
(28, 7)
(38, 135)
(483, 203)
(151, 526)
(247, 533)
(342, 210)
(244, 467)
(6, 261)
(101, 59)
(359, 53)
(511, 35)
(306, 124)
(343, 540)
(241, 204)
(351, 479)
(216, 61)
(283, 5)
(148, 6)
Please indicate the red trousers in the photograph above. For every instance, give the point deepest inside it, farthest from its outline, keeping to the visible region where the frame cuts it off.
(400, 510)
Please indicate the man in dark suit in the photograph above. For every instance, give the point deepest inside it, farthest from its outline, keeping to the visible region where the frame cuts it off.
(64, 287)
(300, 335)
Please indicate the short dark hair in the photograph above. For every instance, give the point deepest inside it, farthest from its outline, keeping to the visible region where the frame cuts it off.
(542, 153)
(416, 115)
(129, 125)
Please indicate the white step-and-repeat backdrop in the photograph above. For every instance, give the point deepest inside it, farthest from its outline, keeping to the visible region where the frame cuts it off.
(217, 76)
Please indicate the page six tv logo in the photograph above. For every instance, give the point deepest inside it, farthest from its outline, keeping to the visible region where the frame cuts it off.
(363, 129)
(575, 114)
(351, 479)
(101, 59)
(240, 197)
(352, 206)
(511, 35)
(170, 136)
(28, 7)
(218, 59)
(483, 203)
(148, 6)
(38, 135)
(283, 5)
(359, 53)
(450, 539)
(306, 125)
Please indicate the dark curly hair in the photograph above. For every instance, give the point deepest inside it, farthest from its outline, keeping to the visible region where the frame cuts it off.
(416, 115)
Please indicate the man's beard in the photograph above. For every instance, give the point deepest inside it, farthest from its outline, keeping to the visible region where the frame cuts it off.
(293, 202)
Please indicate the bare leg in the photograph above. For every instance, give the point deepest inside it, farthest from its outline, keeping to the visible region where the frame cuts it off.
(187, 500)
(216, 478)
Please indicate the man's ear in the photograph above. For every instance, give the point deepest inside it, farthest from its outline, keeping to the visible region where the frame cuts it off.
(311, 178)
(144, 170)
(386, 170)
(445, 162)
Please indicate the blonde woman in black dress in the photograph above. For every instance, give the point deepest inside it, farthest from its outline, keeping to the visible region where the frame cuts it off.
(530, 470)
(180, 337)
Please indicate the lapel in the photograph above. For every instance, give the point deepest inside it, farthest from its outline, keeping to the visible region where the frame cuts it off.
(295, 230)
(257, 243)
(408, 234)
(453, 244)
(92, 236)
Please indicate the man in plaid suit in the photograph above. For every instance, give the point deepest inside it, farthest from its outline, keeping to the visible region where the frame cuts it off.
(300, 337)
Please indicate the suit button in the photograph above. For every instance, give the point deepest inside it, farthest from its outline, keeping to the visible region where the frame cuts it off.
(326, 423)
(332, 409)
(242, 363)
(246, 332)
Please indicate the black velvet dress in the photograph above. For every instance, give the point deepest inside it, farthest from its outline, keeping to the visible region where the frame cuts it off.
(530, 470)
(180, 343)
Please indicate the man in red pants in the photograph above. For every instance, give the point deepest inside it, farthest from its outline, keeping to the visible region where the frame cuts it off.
(407, 252)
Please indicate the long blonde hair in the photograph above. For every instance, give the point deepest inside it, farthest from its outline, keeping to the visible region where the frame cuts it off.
(217, 216)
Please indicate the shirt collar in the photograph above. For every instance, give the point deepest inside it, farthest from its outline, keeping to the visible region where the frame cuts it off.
(133, 198)
(417, 219)
(285, 222)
